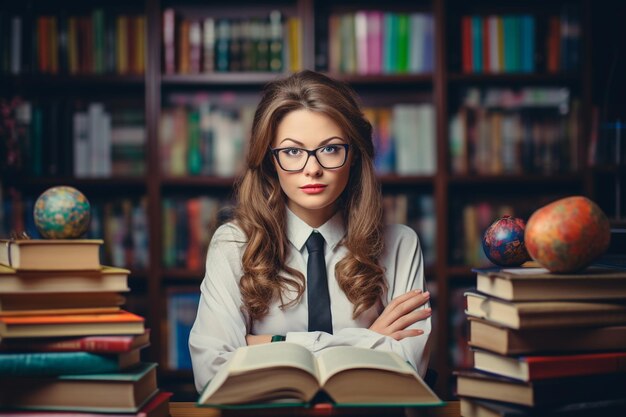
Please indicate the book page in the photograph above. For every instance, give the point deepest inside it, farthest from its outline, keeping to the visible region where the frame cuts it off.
(340, 358)
(526, 271)
(259, 358)
(268, 355)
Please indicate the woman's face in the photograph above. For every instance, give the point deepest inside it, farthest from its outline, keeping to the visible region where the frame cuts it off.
(312, 192)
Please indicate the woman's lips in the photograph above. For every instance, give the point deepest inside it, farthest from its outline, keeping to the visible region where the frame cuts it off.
(313, 188)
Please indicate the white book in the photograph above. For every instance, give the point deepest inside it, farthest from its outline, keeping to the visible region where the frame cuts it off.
(405, 132)
(417, 31)
(426, 139)
(360, 31)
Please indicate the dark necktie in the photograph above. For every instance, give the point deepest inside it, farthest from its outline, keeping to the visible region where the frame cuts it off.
(320, 317)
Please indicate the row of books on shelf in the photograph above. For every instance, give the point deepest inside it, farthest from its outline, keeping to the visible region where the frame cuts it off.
(545, 344)
(69, 138)
(535, 130)
(418, 212)
(507, 43)
(471, 218)
(122, 222)
(376, 42)
(66, 343)
(404, 138)
(97, 43)
(188, 225)
(192, 45)
(204, 135)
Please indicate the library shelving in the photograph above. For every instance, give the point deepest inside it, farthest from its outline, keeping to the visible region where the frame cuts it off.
(443, 78)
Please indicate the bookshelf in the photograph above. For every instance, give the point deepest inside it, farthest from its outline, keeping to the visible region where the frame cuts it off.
(441, 86)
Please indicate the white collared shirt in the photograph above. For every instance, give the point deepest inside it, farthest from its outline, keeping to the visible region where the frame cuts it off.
(221, 325)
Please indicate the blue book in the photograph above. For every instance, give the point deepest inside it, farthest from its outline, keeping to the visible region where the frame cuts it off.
(528, 43)
(429, 43)
(477, 44)
(181, 313)
(510, 45)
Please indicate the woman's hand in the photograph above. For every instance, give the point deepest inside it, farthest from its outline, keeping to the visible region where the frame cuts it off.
(401, 313)
(258, 339)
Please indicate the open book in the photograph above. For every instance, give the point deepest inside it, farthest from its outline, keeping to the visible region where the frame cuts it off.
(284, 374)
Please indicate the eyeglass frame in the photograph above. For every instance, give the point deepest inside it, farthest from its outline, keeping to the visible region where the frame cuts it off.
(313, 152)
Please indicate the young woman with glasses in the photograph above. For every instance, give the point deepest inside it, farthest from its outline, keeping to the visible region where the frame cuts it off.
(307, 258)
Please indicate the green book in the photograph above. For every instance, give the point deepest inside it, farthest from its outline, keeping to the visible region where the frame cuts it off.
(60, 363)
(194, 155)
(119, 392)
(289, 375)
(402, 63)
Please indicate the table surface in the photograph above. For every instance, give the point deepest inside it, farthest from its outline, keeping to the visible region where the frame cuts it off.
(189, 409)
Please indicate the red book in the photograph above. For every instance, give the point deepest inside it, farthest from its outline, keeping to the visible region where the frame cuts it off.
(466, 44)
(43, 44)
(531, 368)
(92, 344)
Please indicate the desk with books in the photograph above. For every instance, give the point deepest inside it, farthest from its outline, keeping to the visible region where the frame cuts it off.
(188, 409)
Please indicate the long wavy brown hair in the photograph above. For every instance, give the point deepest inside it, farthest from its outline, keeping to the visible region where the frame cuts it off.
(261, 209)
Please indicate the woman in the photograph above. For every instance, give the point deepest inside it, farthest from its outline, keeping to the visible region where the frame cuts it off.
(306, 258)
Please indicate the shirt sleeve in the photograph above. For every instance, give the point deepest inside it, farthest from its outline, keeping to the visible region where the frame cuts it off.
(405, 272)
(220, 325)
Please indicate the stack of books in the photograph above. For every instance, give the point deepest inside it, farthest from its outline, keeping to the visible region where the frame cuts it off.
(546, 344)
(66, 345)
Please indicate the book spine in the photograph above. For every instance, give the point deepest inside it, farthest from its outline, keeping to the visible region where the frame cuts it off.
(47, 364)
(91, 344)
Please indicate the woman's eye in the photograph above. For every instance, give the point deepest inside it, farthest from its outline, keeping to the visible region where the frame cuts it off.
(330, 149)
(292, 151)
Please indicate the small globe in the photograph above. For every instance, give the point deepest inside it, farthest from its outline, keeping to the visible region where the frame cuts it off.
(503, 242)
(62, 213)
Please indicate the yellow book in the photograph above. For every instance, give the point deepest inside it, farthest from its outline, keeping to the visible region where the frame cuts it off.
(295, 43)
(122, 46)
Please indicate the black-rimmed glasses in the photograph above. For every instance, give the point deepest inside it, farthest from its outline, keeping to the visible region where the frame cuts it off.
(328, 156)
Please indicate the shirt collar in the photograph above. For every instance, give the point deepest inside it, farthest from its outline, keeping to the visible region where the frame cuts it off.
(298, 231)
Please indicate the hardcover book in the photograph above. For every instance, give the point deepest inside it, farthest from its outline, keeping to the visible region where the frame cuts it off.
(158, 406)
(105, 279)
(547, 392)
(287, 374)
(534, 314)
(531, 368)
(522, 284)
(121, 323)
(471, 407)
(50, 254)
(93, 344)
(40, 364)
(506, 341)
(23, 304)
(124, 392)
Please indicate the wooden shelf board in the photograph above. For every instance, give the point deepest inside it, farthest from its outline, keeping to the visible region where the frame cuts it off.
(515, 78)
(573, 179)
(221, 78)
